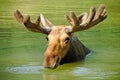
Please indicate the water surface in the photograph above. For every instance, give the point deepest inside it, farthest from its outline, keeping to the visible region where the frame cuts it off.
(21, 51)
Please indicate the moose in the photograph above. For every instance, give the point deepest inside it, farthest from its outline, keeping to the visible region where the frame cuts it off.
(63, 45)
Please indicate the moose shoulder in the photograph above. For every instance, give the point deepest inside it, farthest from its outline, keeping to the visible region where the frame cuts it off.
(63, 45)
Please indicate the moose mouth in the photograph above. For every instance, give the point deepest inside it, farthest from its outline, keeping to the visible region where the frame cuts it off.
(54, 65)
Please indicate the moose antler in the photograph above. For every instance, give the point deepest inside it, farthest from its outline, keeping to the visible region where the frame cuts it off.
(83, 22)
(34, 27)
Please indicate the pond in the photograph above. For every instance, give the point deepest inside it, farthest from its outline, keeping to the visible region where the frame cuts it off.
(21, 51)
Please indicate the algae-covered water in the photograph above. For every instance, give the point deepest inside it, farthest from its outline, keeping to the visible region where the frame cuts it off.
(21, 51)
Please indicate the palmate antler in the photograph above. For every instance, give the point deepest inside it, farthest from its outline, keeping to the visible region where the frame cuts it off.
(34, 27)
(83, 22)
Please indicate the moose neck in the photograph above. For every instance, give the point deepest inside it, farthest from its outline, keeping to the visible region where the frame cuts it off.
(76, 52)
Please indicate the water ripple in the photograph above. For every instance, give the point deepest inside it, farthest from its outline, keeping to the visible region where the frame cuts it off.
(24, 69)
(92, 73)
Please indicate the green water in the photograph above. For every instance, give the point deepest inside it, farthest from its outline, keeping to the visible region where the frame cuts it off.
(21, 51)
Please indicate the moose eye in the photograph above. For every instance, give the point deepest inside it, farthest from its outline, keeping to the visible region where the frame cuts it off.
(67, 39)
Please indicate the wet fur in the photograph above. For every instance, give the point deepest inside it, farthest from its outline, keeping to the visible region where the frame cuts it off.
(76, 52)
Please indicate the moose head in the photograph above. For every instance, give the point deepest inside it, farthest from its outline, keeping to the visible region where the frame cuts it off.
(63, 46)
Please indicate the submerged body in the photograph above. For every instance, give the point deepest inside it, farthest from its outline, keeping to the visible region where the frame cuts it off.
(76, 52)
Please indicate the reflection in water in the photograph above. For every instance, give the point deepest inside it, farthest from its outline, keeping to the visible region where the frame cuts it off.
(49, 77)
(24, 69)
(29, 69)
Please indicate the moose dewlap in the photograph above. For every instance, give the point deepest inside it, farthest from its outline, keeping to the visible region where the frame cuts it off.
(63, 45)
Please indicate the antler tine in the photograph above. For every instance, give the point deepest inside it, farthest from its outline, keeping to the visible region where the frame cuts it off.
(68, 19)
(34, 27)
(18, 16)
(73, 20)
(88, 20)
(82, 22)
(91, 15)
(38, 20)
(99, 12)
(100, 15)
(82, 17)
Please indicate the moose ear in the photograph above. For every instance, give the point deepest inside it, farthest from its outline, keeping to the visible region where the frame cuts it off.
(68, 31)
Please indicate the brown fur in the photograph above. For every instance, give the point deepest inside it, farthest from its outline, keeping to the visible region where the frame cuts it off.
(57, 48)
